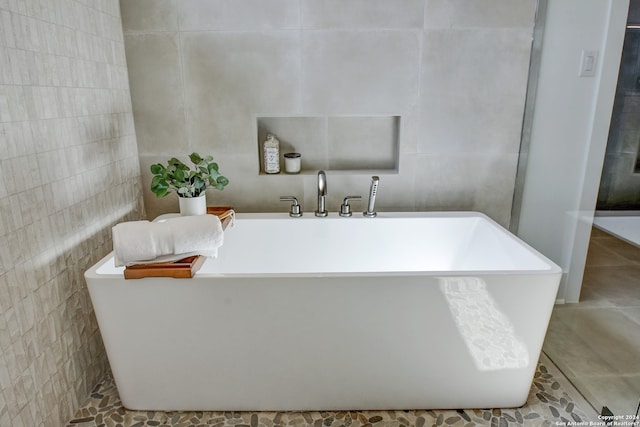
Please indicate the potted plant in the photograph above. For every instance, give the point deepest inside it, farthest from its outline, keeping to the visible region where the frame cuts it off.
(189, 184)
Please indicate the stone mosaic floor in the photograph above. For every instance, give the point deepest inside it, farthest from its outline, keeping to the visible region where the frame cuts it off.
(548, 405)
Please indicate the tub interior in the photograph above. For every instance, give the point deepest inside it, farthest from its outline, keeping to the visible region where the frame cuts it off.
(264, 244)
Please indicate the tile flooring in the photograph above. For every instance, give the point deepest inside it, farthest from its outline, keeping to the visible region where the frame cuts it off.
(548, 404)
(596, 343)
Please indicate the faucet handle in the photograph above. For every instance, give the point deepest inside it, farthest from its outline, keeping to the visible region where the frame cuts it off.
(295, 206)
(345, 208)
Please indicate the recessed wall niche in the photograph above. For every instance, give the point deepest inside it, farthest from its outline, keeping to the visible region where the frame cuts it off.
(340, 143)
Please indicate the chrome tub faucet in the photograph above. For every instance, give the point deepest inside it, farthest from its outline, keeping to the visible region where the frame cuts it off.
(295, 211)
(322, 194)
(345, 207)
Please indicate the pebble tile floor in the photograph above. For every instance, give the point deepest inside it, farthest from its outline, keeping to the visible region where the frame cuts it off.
(548, 405)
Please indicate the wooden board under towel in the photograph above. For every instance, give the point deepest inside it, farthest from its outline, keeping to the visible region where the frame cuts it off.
(184, 268)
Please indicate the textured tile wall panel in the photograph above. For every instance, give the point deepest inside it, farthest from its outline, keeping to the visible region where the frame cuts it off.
(68, 172)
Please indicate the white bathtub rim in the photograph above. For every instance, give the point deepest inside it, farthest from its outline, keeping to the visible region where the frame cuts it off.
(435, 273)
(552, 267)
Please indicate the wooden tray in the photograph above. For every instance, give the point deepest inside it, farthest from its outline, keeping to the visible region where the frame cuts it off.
(185, 268)
(182, 269)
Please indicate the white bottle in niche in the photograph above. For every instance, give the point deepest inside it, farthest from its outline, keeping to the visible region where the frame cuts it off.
(271, 154)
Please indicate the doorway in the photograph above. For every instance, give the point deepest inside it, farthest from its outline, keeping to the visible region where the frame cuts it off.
(619, 189)
(596, 342)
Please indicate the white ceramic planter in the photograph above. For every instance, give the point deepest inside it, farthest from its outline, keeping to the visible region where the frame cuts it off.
(193, 205)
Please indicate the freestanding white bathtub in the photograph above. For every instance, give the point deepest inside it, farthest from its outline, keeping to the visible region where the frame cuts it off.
(402, 311)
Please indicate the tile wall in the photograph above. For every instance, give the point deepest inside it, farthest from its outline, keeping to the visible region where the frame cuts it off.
(455, 72)
(620, 180)
(68, 171)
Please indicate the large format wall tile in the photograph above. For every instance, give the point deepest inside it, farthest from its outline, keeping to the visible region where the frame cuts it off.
(360, 72)
(231, 77)
(473, 90)
(479, 14)
(156, 90)
(455, 74)
(622, 184)
(149, 15)
(618, 186)
(467, 182)
(363, 142)
(250, 15)
(372, 14)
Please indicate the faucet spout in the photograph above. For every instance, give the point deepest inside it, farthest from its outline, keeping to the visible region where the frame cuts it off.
(322, 194)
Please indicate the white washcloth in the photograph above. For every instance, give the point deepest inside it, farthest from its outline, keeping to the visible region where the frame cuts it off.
(143, 242)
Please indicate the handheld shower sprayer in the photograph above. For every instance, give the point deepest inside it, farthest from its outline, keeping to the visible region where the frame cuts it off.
(370, 213)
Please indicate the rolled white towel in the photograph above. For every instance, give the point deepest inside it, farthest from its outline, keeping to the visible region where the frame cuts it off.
(203, 235)
(133, 240)
(142, 242)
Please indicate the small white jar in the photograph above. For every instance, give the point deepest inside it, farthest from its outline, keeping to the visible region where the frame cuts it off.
(292, 162)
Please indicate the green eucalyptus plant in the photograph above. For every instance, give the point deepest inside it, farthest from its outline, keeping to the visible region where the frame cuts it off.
(183, 180)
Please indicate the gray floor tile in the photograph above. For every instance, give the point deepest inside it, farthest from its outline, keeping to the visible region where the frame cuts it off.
(596, 343)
